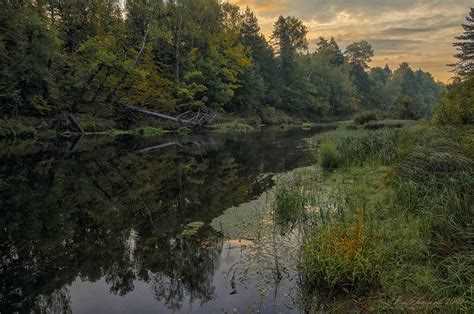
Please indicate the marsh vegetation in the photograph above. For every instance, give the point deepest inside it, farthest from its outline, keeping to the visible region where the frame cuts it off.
(397, 233)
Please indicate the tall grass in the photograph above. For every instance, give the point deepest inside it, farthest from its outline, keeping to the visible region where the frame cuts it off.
(346, 148)
(295, 195)
(418, 241)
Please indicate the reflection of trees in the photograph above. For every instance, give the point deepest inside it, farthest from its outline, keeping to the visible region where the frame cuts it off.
(177, 272)
(66, 214)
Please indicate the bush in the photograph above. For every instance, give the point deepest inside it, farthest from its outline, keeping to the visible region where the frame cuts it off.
(365, 117)
(328, 156)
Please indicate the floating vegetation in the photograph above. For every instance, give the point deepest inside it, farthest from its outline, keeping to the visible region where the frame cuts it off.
(192, 228)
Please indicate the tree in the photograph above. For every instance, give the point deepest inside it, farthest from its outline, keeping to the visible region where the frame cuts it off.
(94, 57)
(289, 36)
(27, 51)
(414, 94)
(258, 79)
(330, 50)
(465, 47)
(359, 54)
(142, 17)
(457, 104)
(381, 75)
(330, 86)
(381, 96)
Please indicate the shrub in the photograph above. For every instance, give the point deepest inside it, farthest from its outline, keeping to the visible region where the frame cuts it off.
(365, 117)
(328, 156)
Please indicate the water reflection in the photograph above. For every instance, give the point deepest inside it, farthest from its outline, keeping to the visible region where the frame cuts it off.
(80, 215)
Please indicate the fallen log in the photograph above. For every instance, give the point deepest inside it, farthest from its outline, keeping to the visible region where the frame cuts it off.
(196, 119)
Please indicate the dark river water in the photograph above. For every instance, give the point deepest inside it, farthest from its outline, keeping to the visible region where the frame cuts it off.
(174, 225)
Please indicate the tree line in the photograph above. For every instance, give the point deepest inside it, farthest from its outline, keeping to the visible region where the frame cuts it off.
(95, 56)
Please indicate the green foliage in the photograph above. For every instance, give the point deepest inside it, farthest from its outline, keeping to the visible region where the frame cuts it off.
(27, 48)
(94, 57)
(289, 35)
(365, 117)
(16, 129)
(457, 105)
(290, 203)
(405, 232)
(236, 126)
(349, 148)
(359, 54)
(403, 93)
(343, 256)
(328, 87)
(328, 156)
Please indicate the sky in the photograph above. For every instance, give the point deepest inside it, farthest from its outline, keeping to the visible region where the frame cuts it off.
(419, 32)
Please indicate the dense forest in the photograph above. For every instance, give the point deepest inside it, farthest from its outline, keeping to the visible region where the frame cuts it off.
(93, 57)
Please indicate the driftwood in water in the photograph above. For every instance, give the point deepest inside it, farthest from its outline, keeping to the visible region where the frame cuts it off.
(195, 119)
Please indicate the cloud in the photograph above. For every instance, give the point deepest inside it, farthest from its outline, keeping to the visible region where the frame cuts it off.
(382, 44)
(421, 31)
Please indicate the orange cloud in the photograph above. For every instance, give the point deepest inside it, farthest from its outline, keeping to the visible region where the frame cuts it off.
(264, 7)
(419, 32)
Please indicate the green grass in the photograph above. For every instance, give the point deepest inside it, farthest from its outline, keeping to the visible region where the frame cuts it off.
(294, 196)
(344, 148)
(143, 132)
(403, 237)
(237, 126)
(290, 203)
(307, 125)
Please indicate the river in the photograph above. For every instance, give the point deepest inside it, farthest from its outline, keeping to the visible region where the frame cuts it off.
(167, 225)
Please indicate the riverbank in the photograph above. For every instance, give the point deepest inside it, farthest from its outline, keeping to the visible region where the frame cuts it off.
(24, 127)
(391, 219)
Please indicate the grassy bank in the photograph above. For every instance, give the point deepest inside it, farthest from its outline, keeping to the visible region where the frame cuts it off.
(396, 227)
(31, 128)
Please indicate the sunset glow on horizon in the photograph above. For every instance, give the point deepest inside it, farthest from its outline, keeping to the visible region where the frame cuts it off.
(419, 32)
